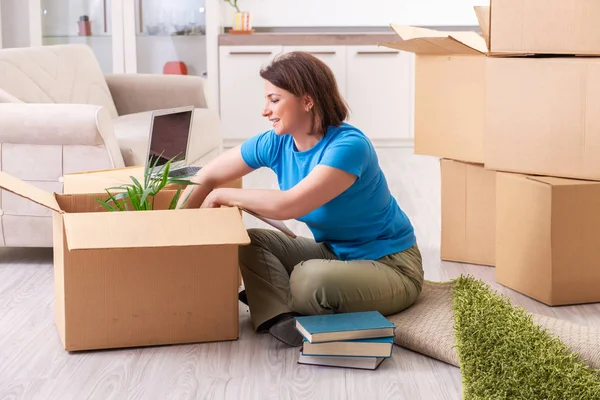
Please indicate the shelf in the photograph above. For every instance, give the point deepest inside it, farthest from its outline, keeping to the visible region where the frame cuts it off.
(167, 35)
(74, 36)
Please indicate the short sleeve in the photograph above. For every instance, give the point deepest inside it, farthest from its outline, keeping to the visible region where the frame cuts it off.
(350, 153)
(260, 150)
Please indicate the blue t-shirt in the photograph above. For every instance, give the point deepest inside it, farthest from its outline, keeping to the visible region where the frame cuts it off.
(363, 223)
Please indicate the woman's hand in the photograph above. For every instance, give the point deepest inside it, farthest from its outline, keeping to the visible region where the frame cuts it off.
(215, 199)
(225, 168)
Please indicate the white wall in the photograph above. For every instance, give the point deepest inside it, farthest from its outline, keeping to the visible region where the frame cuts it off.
(0, 24)
(15, 23)
(307, 13)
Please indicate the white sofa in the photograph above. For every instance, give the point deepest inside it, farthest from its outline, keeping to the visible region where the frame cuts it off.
(60, 114)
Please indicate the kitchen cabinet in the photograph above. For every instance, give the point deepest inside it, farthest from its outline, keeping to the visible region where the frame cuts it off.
(376, 82)
(242, 90)
(379, 92)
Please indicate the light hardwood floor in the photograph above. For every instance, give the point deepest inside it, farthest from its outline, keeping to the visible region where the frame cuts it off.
(33, 364)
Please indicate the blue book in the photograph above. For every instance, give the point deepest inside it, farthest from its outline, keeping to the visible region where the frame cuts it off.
(375, 347)
(344, 326)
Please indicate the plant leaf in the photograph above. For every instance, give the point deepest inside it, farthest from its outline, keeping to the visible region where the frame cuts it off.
(175, 199)
(185, 200)
(136, 182)
(114, 200)
(178, 181)
(104, 204)
(134, 199)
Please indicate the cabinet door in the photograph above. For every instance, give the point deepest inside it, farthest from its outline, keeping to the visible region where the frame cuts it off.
(379, 92)
(333, 56)
(242, 90)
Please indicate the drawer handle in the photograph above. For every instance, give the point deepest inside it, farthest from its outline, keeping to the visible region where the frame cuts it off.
(321, 52)
(237, 53)
(377, 52)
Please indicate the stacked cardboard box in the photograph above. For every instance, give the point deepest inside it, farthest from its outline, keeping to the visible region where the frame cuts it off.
(513, 114)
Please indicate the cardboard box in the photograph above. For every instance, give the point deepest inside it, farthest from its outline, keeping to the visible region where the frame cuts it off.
(547, 238)
(140, 278)
(535, 116)
(544, 27)
(468, 213)
(449, 91)
(542, 116)
(99, 180)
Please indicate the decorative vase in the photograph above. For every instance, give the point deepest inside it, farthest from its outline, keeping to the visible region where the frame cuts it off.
(242, 21)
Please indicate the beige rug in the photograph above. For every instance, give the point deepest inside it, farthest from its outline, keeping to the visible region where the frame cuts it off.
(428, 328)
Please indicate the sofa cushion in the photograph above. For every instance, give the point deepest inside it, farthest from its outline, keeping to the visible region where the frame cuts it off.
(27, 231)
(6, 97)
(55, 74)
(133, 132)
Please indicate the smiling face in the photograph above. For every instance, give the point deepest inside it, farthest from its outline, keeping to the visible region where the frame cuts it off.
(287, 113)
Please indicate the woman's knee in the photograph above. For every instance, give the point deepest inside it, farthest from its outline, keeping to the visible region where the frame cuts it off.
(313, 288)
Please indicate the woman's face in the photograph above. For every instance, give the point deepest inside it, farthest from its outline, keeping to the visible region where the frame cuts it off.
(286, 112)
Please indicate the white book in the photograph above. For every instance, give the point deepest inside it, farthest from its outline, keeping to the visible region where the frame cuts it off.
(341, 361)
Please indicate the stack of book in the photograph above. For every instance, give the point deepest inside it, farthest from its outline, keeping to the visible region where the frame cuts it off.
(351, 340)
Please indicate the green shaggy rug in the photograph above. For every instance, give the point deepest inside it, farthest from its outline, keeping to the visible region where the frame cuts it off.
(502, 350)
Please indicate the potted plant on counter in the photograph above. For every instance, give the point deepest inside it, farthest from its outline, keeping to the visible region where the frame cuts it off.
(242, 20)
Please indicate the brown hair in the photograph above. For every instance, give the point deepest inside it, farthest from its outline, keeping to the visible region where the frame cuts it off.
(302, 74)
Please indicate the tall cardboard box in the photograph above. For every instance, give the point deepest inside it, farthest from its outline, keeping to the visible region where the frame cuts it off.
(140, 278)
(468, 213)
(544, 27)
(547, 238)
(543, 116)
(449, 98)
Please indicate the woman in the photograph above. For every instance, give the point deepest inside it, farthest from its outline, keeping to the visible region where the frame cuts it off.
(364, 255)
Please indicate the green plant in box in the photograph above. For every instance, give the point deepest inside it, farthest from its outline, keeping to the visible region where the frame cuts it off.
(139, 196)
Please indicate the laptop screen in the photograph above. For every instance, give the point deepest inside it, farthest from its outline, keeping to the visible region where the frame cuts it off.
(169, 137)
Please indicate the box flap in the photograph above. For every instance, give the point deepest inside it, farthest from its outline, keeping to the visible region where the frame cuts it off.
(167, 228)
(428, 41)
(553, 181)
(483, 18)
(28, 191)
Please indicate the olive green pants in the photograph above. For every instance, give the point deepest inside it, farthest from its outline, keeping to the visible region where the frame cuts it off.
(283, 275)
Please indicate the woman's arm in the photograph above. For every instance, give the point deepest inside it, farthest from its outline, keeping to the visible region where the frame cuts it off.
(223, 169)
(323, 184)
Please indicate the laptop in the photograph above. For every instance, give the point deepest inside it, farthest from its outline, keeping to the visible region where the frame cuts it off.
(170, 133)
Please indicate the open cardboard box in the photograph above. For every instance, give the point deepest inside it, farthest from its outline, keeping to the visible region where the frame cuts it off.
(99, 180)
(528, 115)
(449, 102)
(140, 278)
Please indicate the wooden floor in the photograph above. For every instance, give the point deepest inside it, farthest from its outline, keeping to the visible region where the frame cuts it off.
(34, 366)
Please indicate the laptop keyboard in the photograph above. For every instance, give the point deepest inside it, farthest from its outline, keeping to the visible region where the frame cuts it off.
(185, 171)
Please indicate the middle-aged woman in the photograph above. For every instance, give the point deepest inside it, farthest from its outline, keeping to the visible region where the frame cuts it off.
(364, 255)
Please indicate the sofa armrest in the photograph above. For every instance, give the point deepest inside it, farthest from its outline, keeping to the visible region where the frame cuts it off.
(59, 124)
(146, 92)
